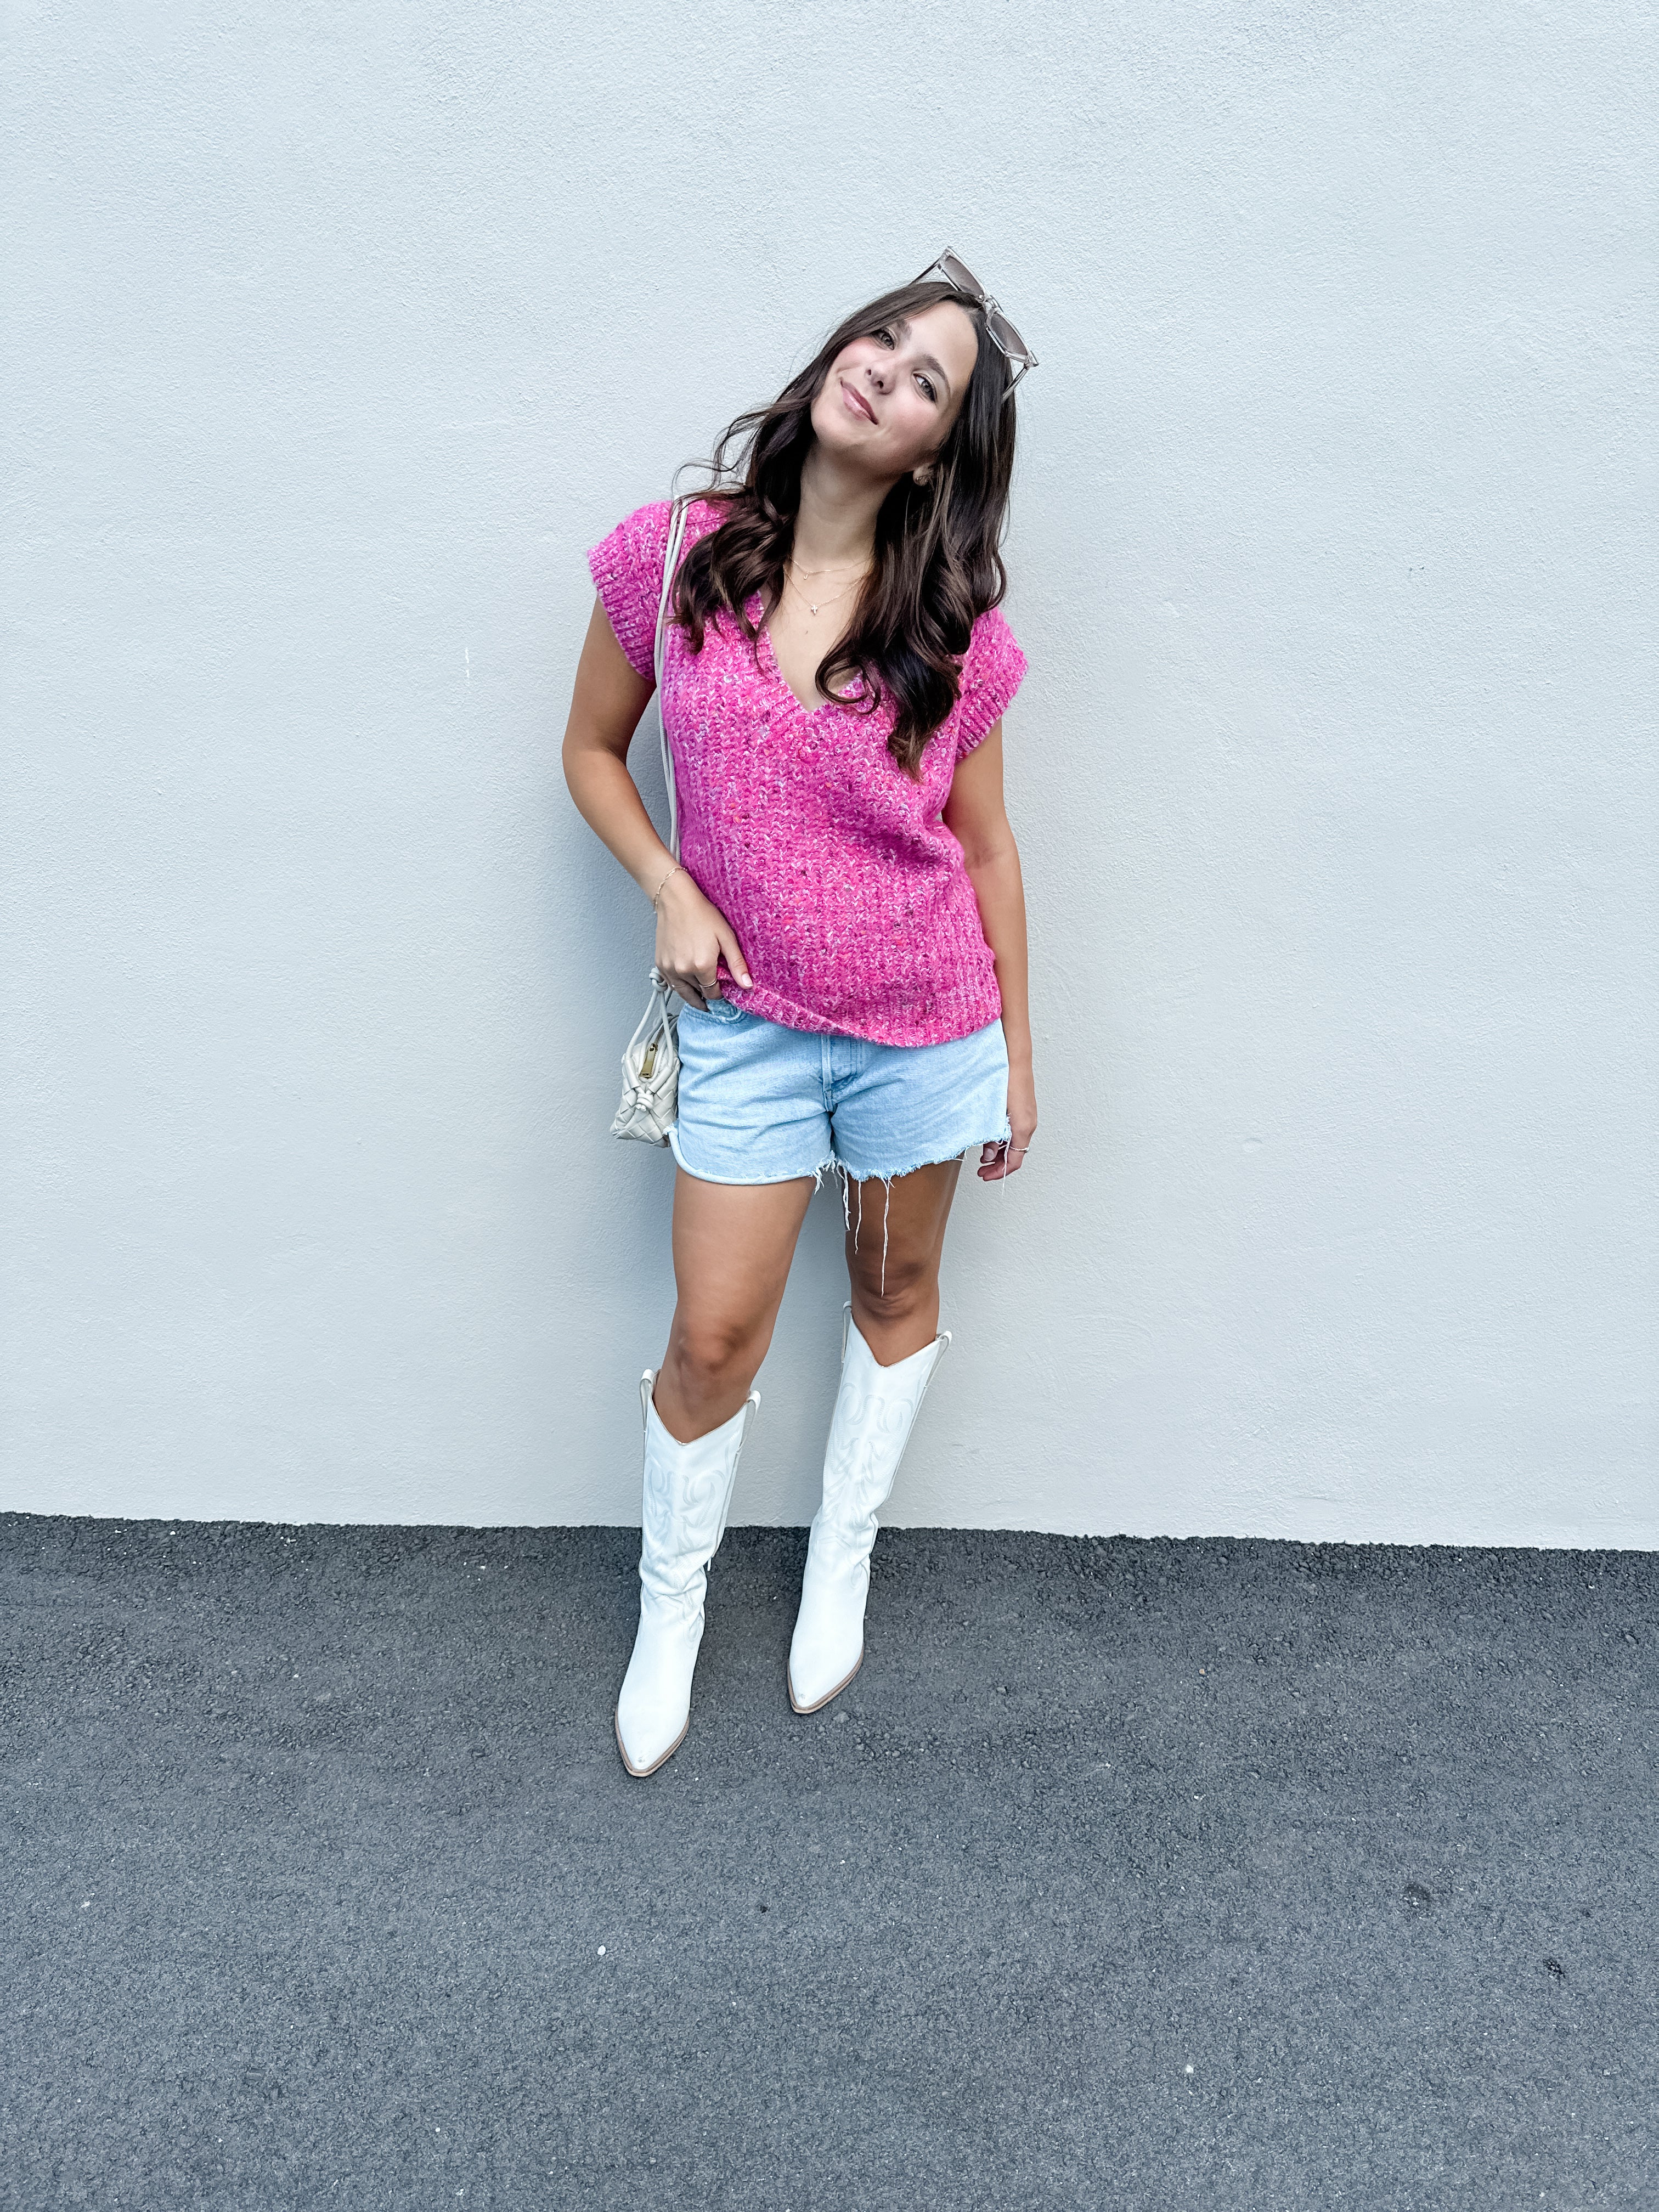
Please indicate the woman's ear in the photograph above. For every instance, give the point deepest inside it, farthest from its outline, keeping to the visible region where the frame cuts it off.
(923, 476)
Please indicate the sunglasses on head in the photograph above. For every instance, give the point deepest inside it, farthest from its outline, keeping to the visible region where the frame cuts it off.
(1006, 339)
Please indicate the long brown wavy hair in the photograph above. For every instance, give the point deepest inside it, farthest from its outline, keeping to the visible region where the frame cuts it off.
(938, 562)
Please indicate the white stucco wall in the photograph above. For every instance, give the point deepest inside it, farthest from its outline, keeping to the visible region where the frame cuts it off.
(337, 335)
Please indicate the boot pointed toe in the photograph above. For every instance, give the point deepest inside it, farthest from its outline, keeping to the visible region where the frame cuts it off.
(644, 1758)
(813, 1698)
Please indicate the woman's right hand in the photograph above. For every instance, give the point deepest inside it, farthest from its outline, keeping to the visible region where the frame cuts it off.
(692, 934)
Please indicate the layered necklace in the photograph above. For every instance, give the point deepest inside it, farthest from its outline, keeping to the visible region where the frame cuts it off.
(824, 599)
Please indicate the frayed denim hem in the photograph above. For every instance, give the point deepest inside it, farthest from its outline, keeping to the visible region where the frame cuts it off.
(849, 1175)
(846, 1176)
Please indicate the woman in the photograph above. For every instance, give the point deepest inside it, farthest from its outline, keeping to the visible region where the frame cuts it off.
(846, 924)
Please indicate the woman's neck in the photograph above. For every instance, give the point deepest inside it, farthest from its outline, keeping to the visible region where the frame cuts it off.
(836, 522)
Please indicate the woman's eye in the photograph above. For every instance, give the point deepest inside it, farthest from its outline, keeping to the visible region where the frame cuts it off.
(885, 336)
(928, 387)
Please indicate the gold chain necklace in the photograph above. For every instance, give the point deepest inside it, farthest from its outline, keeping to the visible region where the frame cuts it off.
(812, 605)
(833, 570)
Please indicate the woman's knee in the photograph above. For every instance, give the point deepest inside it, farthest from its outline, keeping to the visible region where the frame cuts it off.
(713, 1350)
(893, 1286)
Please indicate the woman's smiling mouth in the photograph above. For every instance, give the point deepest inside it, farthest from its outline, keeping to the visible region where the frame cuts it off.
(856, 403)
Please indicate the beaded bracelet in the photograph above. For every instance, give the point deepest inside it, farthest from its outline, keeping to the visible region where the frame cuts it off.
(665, 882)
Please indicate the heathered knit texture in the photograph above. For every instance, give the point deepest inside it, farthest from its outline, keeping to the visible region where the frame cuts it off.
(846, 892)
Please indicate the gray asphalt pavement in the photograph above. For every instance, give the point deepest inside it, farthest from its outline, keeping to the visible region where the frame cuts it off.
(1133, 1873)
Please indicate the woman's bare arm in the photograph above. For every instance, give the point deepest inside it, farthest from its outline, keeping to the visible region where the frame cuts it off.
(606, 708)
(975, 814)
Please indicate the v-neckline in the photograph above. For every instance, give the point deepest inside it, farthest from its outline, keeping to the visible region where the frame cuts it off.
(776, 669)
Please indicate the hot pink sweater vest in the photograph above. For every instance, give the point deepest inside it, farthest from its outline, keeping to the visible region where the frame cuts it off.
(847, 891)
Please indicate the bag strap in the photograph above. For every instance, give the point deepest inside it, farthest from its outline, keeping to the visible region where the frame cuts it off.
(669, 564)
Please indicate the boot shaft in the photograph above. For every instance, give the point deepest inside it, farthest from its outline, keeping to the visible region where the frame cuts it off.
(686, 1495)
(876, 1409)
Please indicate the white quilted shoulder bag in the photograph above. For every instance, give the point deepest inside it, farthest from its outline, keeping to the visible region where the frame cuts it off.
(651, 1065)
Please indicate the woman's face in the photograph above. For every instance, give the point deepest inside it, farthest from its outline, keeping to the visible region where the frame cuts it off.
(889, 398)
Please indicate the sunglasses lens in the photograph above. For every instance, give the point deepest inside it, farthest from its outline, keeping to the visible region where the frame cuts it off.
(960, 274)
(1008, 337)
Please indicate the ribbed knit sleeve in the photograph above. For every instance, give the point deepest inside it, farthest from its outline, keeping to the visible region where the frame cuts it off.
(627, 569)
(991, 671)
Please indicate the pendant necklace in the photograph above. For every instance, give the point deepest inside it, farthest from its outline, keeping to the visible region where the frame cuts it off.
(813, 606)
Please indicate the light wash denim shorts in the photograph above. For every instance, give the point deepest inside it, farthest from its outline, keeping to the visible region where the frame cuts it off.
(759, 1102)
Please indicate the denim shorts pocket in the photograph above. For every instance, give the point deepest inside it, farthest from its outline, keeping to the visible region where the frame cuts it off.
(717, 1011)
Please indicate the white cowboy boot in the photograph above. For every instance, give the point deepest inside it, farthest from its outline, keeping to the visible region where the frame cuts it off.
(688, 1488)
(875, 1409)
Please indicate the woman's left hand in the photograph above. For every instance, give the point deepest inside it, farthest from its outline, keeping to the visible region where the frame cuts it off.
(1000, 1159)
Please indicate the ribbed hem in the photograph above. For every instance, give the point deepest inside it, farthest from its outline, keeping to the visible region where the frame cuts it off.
(967, 1015)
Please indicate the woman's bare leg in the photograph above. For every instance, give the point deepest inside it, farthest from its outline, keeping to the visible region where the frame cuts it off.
(732, 1246)
(895, 1293)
